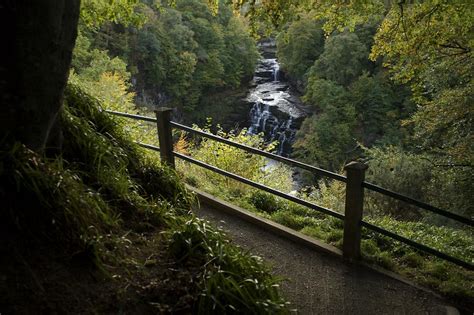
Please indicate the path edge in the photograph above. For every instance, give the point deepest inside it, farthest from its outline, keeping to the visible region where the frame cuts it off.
(304, 240)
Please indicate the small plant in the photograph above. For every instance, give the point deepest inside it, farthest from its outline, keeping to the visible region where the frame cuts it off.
(232, 280)
(264, 201)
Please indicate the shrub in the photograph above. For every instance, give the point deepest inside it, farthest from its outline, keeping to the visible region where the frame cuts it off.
(264, 201)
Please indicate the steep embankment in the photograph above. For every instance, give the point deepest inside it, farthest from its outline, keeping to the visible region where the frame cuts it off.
(101, 229)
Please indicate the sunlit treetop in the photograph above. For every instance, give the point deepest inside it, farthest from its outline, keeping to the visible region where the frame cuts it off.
(337, 14)
(94, 13)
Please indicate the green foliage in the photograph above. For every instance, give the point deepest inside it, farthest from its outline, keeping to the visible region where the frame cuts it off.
(354, 102)
(326, 138)
(398, 171)
(98, 145)
(451, 188)
(237, 161)
(381, 106)
(433, 52)
(343, 60)
(95, 13)
(180, 53)
(452, 241)
(90, 63)
(264, 201)
(415, 175)
(427, 45)
(300, 46)
(240, 52)
(46, 202)
(232, 280)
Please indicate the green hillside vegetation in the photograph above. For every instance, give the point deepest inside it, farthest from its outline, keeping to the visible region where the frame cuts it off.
(106, 211)
(374, 95)
(179, 55)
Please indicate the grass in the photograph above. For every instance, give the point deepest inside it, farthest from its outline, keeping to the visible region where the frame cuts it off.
(113, 212)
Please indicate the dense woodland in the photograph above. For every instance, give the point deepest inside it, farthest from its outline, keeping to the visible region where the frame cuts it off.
(389, 84)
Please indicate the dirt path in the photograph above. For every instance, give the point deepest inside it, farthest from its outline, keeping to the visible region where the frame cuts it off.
(324, 284)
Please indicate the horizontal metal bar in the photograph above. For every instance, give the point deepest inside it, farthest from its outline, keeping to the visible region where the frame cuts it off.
(417, 245)
(148, 146)
(260, 186)
(132, 116)
(418, 203)
(262, 153)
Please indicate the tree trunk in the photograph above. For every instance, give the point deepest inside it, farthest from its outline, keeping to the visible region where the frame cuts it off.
(37, 42)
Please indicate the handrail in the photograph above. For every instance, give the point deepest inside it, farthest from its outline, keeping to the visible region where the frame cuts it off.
(132, 116)
(260, 186)
(238, 145)
(308, 167)
(417, 245)
(168, 153)
(148, 146)
(261, 152)
(418, 203)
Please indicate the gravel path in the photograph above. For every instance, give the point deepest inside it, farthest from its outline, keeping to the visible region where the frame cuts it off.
(320, 283)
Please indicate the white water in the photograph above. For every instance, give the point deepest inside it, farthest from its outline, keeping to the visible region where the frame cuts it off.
(273, 112)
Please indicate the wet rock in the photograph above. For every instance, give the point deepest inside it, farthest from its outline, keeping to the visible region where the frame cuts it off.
(282, 88)
(264, 73)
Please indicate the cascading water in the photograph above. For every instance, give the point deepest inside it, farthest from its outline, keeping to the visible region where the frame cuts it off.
(276, 71)
(274, 112)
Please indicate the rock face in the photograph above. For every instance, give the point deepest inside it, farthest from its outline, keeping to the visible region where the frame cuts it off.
(276, 111)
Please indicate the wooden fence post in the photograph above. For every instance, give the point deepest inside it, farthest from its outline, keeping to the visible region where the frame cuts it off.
(163, 118)
(353, 209)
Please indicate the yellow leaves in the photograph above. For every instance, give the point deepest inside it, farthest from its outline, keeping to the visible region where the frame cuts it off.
(213, 6)
(94, 13)
(413, 37)
(113, 91)
(182, 144)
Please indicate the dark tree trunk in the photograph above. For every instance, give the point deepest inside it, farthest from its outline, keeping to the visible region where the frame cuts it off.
(37, 40)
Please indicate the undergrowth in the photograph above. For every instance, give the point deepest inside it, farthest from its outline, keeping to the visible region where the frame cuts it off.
(103, 187)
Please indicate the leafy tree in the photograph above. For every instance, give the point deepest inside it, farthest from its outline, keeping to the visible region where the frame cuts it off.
(326, 139)
(240, 54)
(95, 13)
(400, 171)
(429, 45)
(180, 52)
(343, 60)
(381, 107)
(92, 63)
(300, 45)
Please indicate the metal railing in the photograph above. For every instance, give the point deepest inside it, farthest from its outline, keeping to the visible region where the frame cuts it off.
(355, 186)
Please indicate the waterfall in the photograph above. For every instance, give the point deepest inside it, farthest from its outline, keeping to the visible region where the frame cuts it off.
(273, 110)
(276, 73)
(262, 121)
